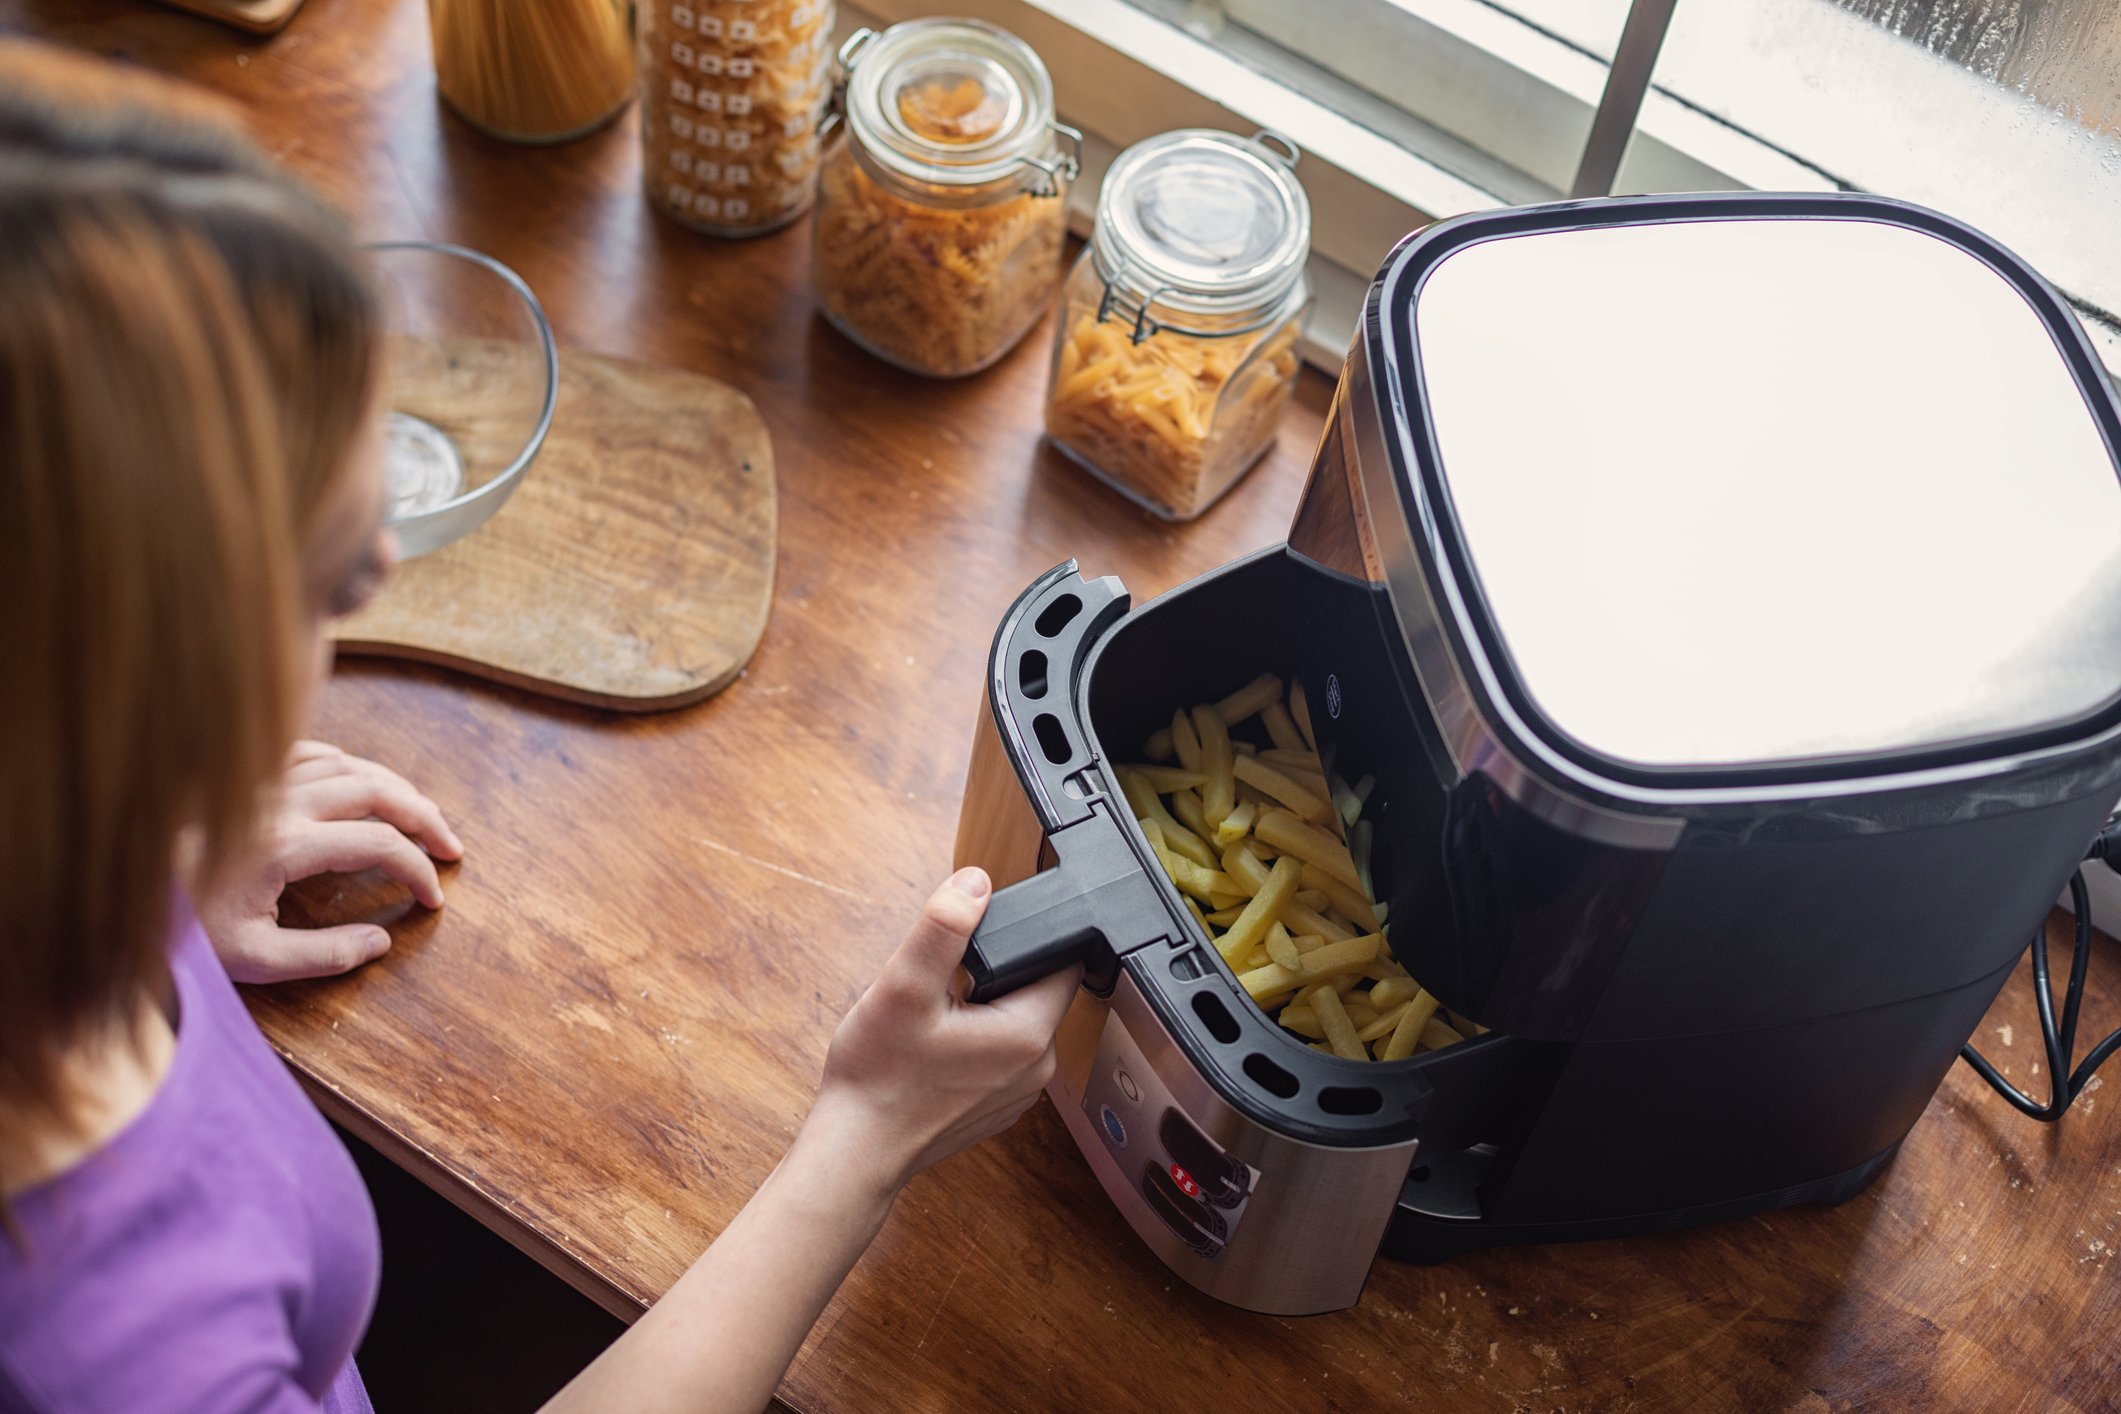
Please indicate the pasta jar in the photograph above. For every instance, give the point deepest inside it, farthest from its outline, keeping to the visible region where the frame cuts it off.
(537, 74)
(940, 217)
(732, 95)
(1175, 351)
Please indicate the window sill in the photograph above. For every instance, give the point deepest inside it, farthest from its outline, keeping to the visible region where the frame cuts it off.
(1373, 173)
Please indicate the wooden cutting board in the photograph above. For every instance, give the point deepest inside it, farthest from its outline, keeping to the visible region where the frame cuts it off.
(633, 567)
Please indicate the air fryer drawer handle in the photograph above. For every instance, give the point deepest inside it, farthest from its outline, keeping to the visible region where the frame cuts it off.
(1032, 930)
(1096, 900)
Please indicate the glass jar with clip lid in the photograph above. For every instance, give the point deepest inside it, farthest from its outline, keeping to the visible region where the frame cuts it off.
(1175, 351)
(940, 217)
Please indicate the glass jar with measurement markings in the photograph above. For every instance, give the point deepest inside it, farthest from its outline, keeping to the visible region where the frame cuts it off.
(1175, 352)
(940, 217)
(732, 93)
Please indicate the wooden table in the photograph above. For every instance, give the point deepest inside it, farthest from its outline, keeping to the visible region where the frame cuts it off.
(605, 1041)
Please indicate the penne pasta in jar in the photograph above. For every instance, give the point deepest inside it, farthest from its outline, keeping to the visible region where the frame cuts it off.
(1175, 353)
(940, 229)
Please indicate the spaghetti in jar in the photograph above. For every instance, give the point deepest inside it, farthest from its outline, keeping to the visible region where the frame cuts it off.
(533, 73)
(940, 218)
(1175, 352)
(732, 94)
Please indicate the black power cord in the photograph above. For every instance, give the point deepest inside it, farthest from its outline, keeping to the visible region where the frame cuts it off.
(2064, 1083)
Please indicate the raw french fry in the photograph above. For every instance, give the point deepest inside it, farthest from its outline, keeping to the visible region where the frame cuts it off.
(1243, 864)
(1238, 823)
(1305, 942)
(1302, 1020)
(1190, 877)
(1307, 920)
(1185, 805)
(1300, 712)
(1359, 797)
(1280, 729)
(1313, 898)
(1407, 1034)
(1438, 1034)
(1232, 900)
(1336, 958)
(1281, 948)
(1148, 806)
(1314, 784)
(1359, 1011)
(1307, 842)
(1295, 758)
(1359, 851)
(1185, 741)
(1243, 748)
(1348, 903)
(1340, 1032)
(1277, 783)
(1224, 917)
(1219, 795)
(1259, 915)
(1391, 991)
(1198, 916)
(1254, 696)
(1159, 746)
(1265, 981)
(1381, 1026)
(1166, 779)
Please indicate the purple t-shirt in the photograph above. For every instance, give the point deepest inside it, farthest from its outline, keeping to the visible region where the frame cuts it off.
(218, 1253)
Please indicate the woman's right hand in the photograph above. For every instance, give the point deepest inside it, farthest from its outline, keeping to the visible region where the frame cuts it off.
(915, 1072)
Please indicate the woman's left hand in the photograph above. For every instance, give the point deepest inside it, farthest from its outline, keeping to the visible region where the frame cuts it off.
(336, 814)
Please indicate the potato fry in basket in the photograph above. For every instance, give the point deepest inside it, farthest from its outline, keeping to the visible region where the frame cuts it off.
(1290, 835)
(1283, 787)
(1289, 908)
(1219, 795)
(1250, 700)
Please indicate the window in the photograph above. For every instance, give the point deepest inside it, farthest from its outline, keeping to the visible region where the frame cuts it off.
(2004, 113)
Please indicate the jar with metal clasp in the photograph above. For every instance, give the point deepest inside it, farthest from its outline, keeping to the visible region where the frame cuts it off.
(941, 211)
(1175, 351)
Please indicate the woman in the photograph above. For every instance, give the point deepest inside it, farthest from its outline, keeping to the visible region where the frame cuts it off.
(190, 487)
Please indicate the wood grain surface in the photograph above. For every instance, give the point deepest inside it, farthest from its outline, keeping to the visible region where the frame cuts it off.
(608, 1036)
(633, 566)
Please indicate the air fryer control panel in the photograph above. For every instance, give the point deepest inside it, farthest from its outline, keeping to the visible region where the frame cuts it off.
(1188, 1181)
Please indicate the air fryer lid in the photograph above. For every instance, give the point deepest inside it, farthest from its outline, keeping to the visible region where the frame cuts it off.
(1726, 486)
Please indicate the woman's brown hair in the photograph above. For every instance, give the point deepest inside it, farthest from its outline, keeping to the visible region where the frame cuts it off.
(187, 351)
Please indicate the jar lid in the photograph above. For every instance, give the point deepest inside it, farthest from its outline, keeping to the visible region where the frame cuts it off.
(1204, 221)
(949, 102)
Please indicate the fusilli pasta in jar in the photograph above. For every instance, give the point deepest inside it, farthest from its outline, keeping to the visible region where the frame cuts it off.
(939, 227)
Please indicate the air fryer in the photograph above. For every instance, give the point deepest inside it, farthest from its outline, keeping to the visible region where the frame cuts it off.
(1629, 605)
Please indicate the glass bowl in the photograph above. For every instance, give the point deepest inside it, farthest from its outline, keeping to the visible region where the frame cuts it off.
(471, 376)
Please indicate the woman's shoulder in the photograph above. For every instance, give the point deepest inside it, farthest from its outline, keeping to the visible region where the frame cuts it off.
(222, 1235)
(135, 1286)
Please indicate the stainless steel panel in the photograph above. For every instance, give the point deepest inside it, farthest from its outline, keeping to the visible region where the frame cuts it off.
(1754, 491)
(1313, 1220)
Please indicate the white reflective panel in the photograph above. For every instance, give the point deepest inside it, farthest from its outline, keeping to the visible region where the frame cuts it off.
(1756, 491)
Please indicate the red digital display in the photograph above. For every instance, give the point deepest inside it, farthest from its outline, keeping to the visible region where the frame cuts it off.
(1185, 1182)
